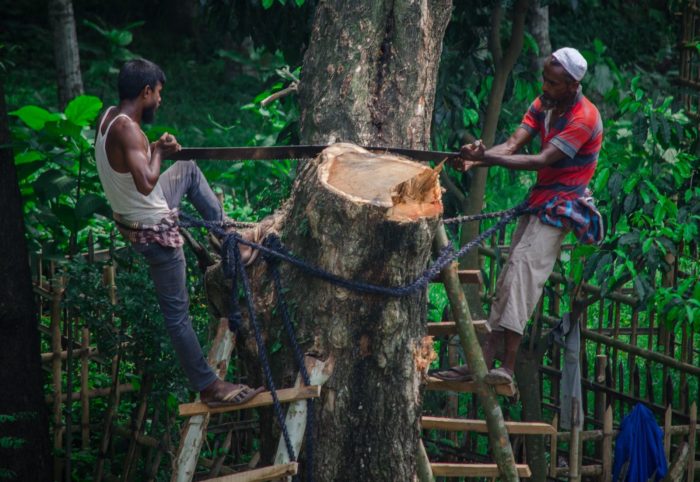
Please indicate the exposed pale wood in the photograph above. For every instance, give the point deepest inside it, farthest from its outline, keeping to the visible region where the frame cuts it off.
(194, 429)
(424, 472)
(466, 276)
(470, 276)
(474, 470)
(553, 448)
(260, 400)
(450, 327)
(676, 468)
(458, 424)
(319, 371)
(467, 387)
(668, 416)
(575, 445)
(262, 474)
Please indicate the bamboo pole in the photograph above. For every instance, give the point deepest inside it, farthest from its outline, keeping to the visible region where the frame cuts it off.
(109, 275)
(667, 431)
(57, 294)
(574, 442)
(607, 445)
(498, 435)
(94, 393)
(137, 422)
(68, 407)
(84, 389)
(691, 440)
(553, 448)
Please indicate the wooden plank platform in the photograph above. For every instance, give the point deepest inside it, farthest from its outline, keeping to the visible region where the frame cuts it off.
(466, 277)
(262, 474)
(467, 387)
(474, 470)
(466, 425)
(262, 399)
(444, 328)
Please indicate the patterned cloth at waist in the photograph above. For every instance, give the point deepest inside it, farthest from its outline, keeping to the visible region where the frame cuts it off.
(166, 232)
(579, 215)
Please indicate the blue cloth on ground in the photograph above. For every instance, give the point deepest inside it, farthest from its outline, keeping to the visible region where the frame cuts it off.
(641, 444)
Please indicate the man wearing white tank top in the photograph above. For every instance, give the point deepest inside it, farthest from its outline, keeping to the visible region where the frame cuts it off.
(145, 204)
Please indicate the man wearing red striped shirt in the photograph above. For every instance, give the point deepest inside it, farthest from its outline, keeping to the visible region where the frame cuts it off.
(571, 131)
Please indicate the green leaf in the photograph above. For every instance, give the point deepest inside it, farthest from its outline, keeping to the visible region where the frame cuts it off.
(299, 2)
(35, 117)
(267, 3)
(82, 110)
(28, 157)
(88, 205)
(53, 183)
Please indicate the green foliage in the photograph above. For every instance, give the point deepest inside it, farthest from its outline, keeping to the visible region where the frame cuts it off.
(111, 51)
(12, 443)
(54, 158)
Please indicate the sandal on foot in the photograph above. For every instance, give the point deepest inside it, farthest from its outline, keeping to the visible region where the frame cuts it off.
(499, 376)
(460, 373)
(237, 395)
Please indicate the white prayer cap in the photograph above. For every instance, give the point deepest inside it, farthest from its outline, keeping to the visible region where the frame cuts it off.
(572, 61)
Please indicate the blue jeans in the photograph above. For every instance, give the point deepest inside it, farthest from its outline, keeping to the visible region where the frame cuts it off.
(168, 270)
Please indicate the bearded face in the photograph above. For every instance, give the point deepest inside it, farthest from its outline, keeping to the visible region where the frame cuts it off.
(148, 114)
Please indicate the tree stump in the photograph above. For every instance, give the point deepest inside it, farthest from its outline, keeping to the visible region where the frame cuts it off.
(368, 217)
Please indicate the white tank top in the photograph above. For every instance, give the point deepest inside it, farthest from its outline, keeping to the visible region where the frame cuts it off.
(120, 188)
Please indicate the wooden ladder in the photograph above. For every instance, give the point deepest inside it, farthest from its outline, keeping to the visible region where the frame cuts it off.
(198, 413)
(449, 328)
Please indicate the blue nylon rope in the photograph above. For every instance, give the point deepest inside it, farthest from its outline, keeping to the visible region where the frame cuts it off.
(273, 252)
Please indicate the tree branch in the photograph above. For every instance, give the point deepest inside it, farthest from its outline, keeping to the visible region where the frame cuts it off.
(517, 34)
(293, 87)
(495, 35)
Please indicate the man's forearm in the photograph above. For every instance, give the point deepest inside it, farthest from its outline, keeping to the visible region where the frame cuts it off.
(525, 162)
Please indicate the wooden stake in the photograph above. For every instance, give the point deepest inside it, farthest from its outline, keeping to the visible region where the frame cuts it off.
(691, 440)
(607, 445)
(137, 422)
(57, 294)
(84, 389)
(667, 431)
(553, 448)
(574, 445)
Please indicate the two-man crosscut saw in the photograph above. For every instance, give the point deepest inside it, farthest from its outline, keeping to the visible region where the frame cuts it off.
(294, 152)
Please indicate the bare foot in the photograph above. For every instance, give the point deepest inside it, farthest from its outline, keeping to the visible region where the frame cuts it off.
(221, 393)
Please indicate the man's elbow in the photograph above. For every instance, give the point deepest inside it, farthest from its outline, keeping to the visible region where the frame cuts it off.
(145, 188)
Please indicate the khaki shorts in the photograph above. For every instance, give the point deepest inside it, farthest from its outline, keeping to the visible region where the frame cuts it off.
(534, 250)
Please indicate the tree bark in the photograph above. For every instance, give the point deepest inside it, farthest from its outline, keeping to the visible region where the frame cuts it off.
(342, 218)
(504, 61)
(65, 50)
(21, 377)
(538, 25)
(370, 70)
(527, 370)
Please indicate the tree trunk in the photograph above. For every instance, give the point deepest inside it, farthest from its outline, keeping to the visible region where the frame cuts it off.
(503, 65)
(65, 50)
(21, 378)
(527, 370)
(538, 26)
(370, 70)
(342, 218)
